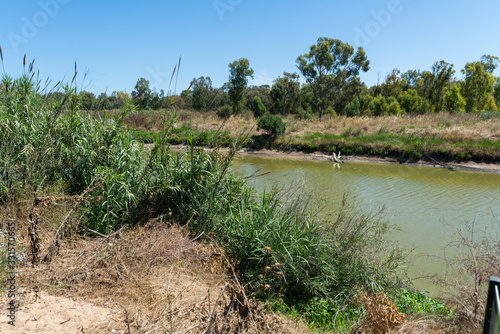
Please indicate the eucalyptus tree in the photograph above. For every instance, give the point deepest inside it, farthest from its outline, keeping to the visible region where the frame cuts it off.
(239, 71)
(436, 82)
(411, 79)
(478, 87)
(202, 93)
(141, 94)
(393, 85)
(291, 87)
(489, 62)
(329, 66)
(278, 96)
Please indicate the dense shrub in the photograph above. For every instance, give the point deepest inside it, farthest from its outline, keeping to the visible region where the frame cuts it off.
(379, 106)
(353, 108)
(225, 112)
(272, 124)
(394, 108)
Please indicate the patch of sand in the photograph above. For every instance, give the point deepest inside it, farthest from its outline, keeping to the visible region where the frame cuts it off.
(47, 314)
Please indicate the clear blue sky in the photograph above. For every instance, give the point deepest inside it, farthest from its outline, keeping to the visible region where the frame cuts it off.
(117, 42)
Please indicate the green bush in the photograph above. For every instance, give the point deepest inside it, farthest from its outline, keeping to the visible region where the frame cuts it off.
(272, 124)
(225, 112)
(259, 109)
(394, 108)
(379, 106)
(353, 108)
(305, 114)
(330, 111)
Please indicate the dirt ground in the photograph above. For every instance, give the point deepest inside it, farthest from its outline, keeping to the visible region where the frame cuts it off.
(47, 314)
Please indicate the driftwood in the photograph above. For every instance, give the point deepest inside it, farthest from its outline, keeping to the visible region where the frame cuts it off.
(441, 164)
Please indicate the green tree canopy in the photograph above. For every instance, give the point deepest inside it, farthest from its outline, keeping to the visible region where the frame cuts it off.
(489, 62)
(453, 99)
(141, 93)
(329, 66)
(393, 85)
(278, 96)
(239, 71)
(202, 93)
(478, 86)
(291, 86)
(411, 79)
(436, 82)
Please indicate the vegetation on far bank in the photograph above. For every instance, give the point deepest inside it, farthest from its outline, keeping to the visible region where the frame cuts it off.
(444, 137)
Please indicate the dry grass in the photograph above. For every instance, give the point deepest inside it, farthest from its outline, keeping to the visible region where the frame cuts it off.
(452, 127)
(382, 315)
(155, 277)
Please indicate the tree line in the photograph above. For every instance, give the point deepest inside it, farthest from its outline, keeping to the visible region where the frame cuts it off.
(332, 86)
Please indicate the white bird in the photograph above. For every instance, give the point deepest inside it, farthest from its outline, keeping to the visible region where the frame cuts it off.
(336, 158)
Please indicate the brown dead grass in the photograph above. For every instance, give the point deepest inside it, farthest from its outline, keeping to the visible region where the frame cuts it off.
(453, 127)
(153, 279)
(382, 316)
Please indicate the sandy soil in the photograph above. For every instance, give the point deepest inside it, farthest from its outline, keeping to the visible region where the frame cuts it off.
(44, 313)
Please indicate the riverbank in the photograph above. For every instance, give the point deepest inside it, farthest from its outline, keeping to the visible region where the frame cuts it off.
(460, 141)
(464, 165)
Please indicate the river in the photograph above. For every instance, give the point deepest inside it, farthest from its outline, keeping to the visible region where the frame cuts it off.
(425, 204)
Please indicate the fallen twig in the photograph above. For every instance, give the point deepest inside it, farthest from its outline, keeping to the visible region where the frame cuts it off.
(214, 312)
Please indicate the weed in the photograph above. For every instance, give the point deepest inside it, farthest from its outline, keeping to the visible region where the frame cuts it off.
(383, 129)
(353, 132)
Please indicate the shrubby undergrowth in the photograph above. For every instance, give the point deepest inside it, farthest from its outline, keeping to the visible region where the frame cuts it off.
(281, 250)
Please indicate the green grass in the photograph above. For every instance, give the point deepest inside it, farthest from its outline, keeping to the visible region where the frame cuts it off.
(395, 144)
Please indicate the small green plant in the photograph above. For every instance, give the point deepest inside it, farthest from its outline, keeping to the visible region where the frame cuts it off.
(419, 303)
(273, 124)
(462, 156)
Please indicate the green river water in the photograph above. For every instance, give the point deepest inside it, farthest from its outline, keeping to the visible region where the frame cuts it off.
(426, 204)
